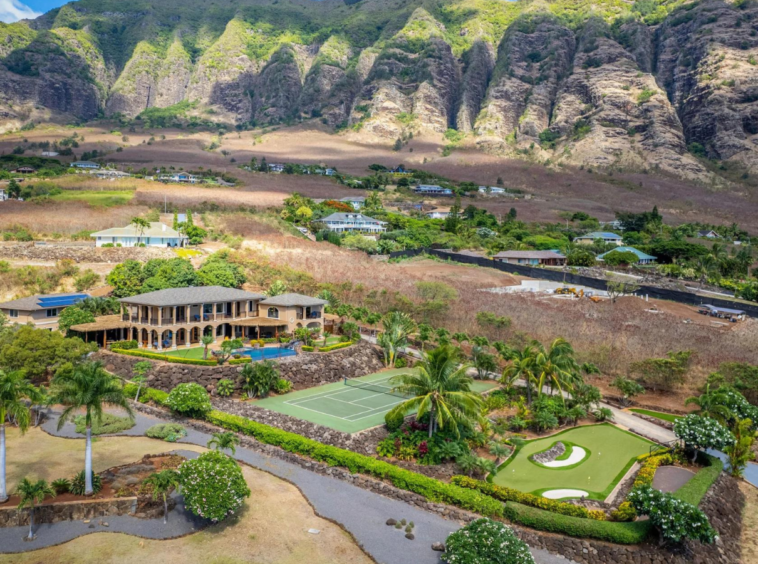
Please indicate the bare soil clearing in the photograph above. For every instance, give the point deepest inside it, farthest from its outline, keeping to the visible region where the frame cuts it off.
(426, 269)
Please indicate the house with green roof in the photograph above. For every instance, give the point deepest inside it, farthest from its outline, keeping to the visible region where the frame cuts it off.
(643, 258)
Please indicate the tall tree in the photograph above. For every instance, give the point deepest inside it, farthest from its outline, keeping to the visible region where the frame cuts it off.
(440, 388)
(90, 387)
(140, 224)
(521, 368)
(397, 327)
(14, 388)
(556, 366)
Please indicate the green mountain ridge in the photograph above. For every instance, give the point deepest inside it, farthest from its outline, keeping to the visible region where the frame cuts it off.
(640, 84)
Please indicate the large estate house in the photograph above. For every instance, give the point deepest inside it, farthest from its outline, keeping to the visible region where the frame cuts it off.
(347, 222)
(41, 310)
(157, 235)
(603, 236)
(167, 319)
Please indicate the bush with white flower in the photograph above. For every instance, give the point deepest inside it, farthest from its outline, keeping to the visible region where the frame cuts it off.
(676, 520)
(485, 541)
(739, 406)
(190, 399)
(213, 486)
(701, 433)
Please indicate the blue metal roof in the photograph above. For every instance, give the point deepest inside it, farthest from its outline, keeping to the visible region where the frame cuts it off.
(624, 249)
(600, 235)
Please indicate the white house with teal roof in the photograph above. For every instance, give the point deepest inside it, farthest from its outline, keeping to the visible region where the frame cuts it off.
(642, 258)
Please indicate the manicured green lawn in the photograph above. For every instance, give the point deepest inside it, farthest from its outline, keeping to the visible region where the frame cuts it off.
(657, 414)
(100, 198)
(611, 452)
(194, 353)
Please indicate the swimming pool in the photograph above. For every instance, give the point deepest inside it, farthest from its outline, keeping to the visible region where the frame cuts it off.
(266, 353)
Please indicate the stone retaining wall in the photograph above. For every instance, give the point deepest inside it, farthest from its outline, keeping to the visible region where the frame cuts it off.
(660, 422)
(73, 511)
(304, 370)
(79, 253)
(723, 505)
(364, 442)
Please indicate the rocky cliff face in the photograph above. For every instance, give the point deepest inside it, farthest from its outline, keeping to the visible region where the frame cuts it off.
(603, 85)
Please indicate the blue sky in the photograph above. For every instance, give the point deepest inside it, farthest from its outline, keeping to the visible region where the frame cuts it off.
(14, 10)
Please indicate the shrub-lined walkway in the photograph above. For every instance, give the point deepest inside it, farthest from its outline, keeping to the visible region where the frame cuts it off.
(361, 512)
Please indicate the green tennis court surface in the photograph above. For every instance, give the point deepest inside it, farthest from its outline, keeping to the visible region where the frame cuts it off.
(347, 408)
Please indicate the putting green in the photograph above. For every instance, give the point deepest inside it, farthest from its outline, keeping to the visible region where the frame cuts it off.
(610, 453)
(346, 408)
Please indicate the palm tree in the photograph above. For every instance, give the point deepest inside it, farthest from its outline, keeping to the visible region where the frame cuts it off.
(706, 266)
(32, 493)
(163, 482)
(13, 389)
(90, 387)
(521, 368)
(397, 328)
(140, 224)
(712, 404)
(499, 451)
(224, 441)
(207, 341)
(556, 366)
(441, 388)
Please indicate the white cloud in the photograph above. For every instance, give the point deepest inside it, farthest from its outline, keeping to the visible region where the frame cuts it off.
(13, 10)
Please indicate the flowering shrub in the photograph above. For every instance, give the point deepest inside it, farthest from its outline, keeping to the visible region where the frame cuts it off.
(625, 512)
(213, 485)
(675, 519)
(189, 399)
(702, 433)
(647, 472)
(486, 542)
(411, 441)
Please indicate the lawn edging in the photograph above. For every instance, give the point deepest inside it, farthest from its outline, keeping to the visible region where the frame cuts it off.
(165, 358)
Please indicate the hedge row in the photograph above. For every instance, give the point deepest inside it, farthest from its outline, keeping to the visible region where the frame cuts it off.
(307, 348)
(431, 489)
(244, 360)
(124, 345)
(609, 531)
(694, 490)
(647, 473)
(158, 356)
(146, 394)
(335, 346)
(509, 494)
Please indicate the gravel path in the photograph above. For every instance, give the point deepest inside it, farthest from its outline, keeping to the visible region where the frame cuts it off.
(361, 512)
(669, 479)
(180, 522)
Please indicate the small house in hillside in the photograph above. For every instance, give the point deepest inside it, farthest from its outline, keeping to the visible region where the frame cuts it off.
(438, 213)
(49, 153)
(357, 202)
(276, 167)
(642, 258)
(157, 235)
(432, 190)
(615, 224)
(353, 222)
(181, 177)
(85, 165)
(531, 258)
(491, 190)
(603, 236)
(41, 310)
(25, 170)
(709, 234)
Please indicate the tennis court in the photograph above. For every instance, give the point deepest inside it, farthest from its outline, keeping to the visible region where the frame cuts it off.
(359, 404)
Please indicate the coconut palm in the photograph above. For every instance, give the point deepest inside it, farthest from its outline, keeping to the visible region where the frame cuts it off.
(14, 387)
(556, 367)
(224, 441)
(521, 368)
(397, 328)
(140, 224)
(712, 403)
(90, 387)
(207, 341)
(439, 387)
(32, 493)
(163, 482)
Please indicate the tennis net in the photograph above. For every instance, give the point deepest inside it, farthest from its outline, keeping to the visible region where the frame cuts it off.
(371, 387)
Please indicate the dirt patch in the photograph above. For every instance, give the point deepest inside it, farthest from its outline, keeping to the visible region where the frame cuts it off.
(749, 540)
(427, 269)
(271, 528)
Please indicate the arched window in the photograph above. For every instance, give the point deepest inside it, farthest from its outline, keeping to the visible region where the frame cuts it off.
(273, 313)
